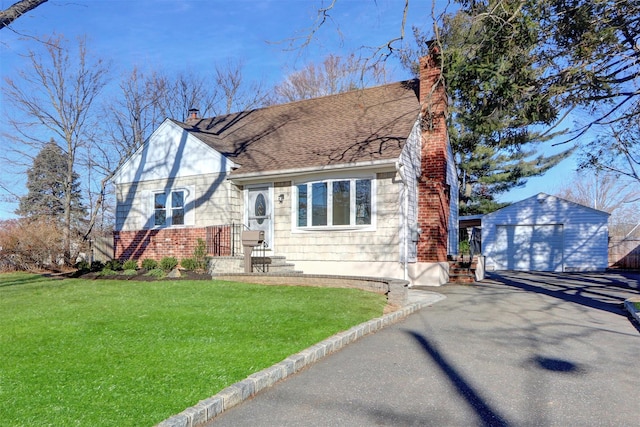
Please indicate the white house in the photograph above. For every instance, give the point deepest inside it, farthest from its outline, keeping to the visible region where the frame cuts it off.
(545, 233)
(358, 183)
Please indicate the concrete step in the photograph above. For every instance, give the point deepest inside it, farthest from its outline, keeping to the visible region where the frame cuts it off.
(266, 264)
(274, 268)
(272, 264)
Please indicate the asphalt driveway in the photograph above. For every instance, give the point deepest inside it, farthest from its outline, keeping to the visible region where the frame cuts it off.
(519, 349)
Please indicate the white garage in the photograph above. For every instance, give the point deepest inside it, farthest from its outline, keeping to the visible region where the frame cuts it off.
(545, 233)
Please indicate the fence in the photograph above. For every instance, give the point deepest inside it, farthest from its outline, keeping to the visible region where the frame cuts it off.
(224, 240)
(624, 253)
(102, 248)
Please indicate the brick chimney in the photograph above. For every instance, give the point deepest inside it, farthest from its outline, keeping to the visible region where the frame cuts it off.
(433, 190)
(192, 117)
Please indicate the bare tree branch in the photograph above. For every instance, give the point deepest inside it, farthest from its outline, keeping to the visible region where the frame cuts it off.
(55, 95)
(16, 10)
(301, 42)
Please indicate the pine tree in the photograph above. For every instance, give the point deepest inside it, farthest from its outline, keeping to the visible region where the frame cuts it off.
(497, 106)
(46, 199)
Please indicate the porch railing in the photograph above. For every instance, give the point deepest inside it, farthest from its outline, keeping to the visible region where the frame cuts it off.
(225, 240)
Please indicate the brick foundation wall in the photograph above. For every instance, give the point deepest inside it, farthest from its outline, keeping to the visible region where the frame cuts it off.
(433, 190)
(157, 244)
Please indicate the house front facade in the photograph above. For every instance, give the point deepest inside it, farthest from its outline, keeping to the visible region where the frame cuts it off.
(360, 183)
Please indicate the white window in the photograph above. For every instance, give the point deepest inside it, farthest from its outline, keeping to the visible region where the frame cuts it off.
(159, 209)
(169, 208)
(336, 203)
(177, 207)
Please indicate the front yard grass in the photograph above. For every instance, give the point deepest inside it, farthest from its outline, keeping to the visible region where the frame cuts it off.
(122, 353)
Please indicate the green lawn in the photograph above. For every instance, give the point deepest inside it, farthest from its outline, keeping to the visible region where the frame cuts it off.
(120, 353)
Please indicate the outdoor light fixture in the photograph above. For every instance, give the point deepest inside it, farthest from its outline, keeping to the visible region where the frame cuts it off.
(281, 198)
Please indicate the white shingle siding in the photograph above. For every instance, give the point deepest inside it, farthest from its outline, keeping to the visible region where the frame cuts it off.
(210, 200)
(452, 181)
(410, 170)
(584, 232)
(169, 153)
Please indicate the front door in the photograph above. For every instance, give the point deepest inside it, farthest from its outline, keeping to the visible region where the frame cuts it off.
(259, 212)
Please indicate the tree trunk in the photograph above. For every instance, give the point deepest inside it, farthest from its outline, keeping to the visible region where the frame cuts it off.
(68, 190)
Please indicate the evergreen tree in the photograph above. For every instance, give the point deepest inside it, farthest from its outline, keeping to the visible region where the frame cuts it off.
(497, 105)
(47, 184)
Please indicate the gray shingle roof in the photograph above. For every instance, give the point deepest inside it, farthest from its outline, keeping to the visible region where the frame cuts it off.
(348, 128)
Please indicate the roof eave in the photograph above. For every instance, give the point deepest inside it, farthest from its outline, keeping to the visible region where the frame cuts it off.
(379, 165)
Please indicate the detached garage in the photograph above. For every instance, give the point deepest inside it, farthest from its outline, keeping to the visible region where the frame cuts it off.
(545, 233)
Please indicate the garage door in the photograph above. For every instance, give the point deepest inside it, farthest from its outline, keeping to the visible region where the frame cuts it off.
(529, 247)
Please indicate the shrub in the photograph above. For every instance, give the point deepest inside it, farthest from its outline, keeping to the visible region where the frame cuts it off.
(130, 272)
(108, 272)
(463, 247)
(200, 255)
(83, 265)
(113, 264)
(149, 264)
(168, 263)
(29, 245)
(97, 266)
(130, 264)
(156, 272)
(189, 264)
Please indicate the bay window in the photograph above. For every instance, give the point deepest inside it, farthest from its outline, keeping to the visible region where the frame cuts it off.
(334, 203)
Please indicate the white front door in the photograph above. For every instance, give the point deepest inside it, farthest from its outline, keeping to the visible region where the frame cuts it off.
(259, 212)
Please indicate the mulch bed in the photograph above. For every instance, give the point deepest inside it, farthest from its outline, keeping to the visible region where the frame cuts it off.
(141, 276)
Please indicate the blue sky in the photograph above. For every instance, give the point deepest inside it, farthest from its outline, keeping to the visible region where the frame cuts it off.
(180, 34)
(176, 35)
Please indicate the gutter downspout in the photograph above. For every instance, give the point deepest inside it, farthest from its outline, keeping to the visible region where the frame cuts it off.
(405, 209)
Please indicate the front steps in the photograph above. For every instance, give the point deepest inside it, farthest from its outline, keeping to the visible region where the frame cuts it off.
(266, 264)
(462, 272)
(272, 264)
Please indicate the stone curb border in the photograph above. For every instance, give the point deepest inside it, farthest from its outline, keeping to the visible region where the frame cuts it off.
(233, 395)
(635, 313)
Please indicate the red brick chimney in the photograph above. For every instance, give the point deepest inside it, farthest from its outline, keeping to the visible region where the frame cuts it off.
(433, 190)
